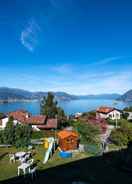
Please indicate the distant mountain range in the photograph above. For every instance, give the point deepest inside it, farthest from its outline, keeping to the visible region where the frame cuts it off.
(14, 94)
(126, 97)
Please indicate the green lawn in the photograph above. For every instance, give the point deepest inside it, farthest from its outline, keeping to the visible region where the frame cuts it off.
(8, 170)
(92, 170)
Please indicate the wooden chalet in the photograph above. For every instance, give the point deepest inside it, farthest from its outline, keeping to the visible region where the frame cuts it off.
(68, 140)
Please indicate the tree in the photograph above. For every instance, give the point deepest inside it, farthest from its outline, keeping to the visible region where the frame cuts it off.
(125, 115)
(121, 136)
(8, 134)
(49, 107)
(19, 135)
(1, 136)
(22, 135)
(89, 134)
(1, 115)
(128, 109)
(27, 135)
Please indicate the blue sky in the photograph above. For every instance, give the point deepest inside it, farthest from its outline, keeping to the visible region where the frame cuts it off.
(76, 46)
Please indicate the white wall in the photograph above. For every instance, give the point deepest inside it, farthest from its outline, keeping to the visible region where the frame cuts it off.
(112, 115)
(4, 123)
(35, 127)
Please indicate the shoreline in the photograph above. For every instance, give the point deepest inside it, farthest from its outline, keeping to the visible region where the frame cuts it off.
(13, 101)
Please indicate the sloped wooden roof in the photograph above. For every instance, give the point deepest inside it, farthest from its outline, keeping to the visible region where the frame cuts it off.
(66, 133)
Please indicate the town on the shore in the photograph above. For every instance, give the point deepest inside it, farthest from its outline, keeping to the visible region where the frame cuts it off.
(52, 134)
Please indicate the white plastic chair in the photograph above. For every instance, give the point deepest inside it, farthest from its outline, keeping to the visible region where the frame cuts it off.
(33, 171)
(24, 167)
(12, 158)
(22, 160)
(30, 162)
(27, 156)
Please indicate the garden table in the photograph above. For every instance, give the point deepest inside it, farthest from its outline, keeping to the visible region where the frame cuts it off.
(20, 154)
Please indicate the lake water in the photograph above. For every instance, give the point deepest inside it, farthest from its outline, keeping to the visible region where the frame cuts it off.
(69, 107)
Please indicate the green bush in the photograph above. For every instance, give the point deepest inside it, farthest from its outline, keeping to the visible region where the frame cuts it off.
(125, 115)
(119, 138)
(89, 134)
(128, 109)
(122, 135)
(37, 135)
(1, 136)
(19, 135)
(119, 122)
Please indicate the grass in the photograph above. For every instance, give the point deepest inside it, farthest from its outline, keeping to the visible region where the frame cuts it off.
(9, 170)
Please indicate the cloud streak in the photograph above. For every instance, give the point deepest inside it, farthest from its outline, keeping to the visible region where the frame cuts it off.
(63, 69)
(109, 60)
(29, 36)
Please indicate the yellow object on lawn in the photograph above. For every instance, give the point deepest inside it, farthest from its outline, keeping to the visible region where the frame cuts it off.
(46, 143)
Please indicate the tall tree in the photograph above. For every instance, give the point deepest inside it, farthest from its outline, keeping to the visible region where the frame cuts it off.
(49, 107)
(22, 135)
(8, 134)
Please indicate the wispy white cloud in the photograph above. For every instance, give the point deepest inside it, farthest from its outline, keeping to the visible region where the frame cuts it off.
(63, 69)
(69, 78)
(108, 60)
(29, 36)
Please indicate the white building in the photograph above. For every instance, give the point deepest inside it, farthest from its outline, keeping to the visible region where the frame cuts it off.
(129, 118)
(108, 112)
(3, 122)
(78, 114)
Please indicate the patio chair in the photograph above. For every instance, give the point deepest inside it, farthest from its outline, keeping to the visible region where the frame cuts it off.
(30, 162)
(22, 160)
(32, 171)
(27, 156)
(12, 158)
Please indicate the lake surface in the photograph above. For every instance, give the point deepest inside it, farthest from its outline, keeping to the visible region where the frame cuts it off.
(70, 107)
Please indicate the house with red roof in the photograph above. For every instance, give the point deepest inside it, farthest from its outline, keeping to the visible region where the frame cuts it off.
(37, 122)
(19, 116)
(42, 122)
(108, 112)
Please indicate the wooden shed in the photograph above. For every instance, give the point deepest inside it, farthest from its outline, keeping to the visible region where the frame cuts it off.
(68, 140)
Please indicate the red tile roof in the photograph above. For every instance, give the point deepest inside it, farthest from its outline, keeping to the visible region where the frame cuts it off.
(41, 121)
(20, 115)
(36, 120)
(105, 110)
(50, 123)
(66, 133)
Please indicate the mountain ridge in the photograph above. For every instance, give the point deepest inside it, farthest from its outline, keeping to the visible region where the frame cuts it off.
(16, 94)
(126, 97)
